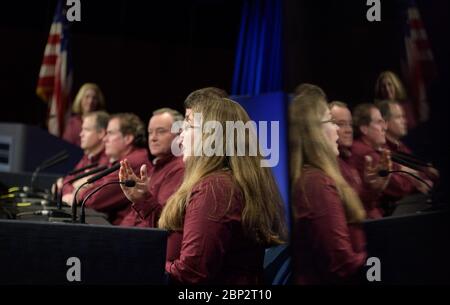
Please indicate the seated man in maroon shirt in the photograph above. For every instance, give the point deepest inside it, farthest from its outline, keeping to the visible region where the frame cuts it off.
(153, 189)
(93, 130)
(125, 138)
(395, 117)
(370, 130)
(371, 190)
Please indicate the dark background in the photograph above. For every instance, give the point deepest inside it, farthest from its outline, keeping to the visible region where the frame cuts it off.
(148, 54)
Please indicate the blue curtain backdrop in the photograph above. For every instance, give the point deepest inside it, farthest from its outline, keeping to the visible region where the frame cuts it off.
(271, 107)
(257, 80)
(258, 65)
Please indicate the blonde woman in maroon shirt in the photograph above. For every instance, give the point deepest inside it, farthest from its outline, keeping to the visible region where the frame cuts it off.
(89, 98)
(327, 239)
(227, 210)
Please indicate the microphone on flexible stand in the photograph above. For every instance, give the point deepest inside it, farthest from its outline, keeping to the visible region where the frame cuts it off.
(410, 158)
(56, 194)
(82, 169)
(127, 183)
(85, 174)
(102, 174)
(54, 160)
(384, 173)
(429, 196)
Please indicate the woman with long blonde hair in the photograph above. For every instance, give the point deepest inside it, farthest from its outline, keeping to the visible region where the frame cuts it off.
(328, 243)
(388, 86)
(88, 99)
(228, 208)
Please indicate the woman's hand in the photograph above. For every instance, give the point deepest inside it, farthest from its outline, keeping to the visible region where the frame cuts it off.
(371, 171)
(140, 190)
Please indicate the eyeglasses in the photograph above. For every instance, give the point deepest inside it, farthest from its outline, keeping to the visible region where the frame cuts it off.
(112, 132)
(343, 124)
(158, 131)
(332, 121)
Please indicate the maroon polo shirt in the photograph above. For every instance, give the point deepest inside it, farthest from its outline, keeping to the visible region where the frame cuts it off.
(110, 199)
(212, 248)
(399, 185)
(166, 176)
(398, 147)
(368, 196)
(326, 249)
(99, 158)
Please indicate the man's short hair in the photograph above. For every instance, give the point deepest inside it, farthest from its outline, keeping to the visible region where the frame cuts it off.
(337, 104)
(306, 88)
(199, 95)
(385, 108)
(131, 124)
(101, 119)
(177, 116)
(362, 117)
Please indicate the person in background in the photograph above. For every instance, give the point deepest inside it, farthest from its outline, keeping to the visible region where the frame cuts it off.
(89, 98)
(125, 138)
(328, 243)
(154, 187)
(373, 185)
(393, 114)
(389, 87)
(93, 131)
(370, 131)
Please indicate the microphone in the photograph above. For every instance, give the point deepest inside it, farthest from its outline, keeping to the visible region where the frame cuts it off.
(104, 173)
(410, 158)
(127, 183)
(89, 173)
(94, 171)
(409, 161)
(91, 180)
(71, 173)
(82, 169)
(54, 157)
(384, 173)
(58, 158)
(404, 162)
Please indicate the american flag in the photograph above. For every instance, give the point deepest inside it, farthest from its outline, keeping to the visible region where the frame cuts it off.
(55, 77)
(420, 67)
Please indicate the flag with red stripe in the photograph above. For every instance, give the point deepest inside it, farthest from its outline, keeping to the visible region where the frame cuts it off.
(420, 67)
(55, 77)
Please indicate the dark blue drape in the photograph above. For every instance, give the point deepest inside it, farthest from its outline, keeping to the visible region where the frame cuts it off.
(271, 107)
(258, 65)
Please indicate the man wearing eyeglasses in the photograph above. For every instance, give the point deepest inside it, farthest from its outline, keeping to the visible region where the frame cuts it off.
(156, 185)
(370, 131)
(367, 192)
(343, 118)
(392, 111)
